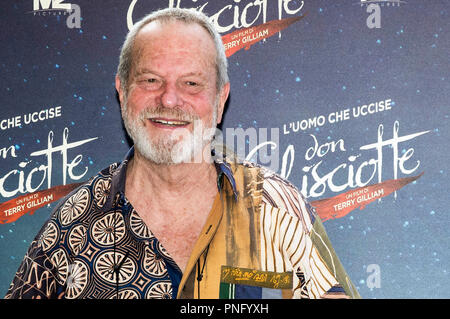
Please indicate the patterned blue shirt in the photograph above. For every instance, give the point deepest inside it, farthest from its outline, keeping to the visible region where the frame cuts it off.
(95, 245)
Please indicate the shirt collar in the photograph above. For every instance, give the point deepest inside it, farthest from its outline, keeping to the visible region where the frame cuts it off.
(223, 169)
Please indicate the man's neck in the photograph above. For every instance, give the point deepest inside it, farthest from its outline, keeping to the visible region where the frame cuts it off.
(169, 182)
(173, 201)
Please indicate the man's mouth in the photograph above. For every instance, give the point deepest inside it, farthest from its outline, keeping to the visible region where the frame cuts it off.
(170, 123)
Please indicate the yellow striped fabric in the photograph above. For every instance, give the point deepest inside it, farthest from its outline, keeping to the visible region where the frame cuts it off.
(290, 242)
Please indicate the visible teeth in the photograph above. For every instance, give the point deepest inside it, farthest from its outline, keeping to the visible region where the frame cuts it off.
(169, 122)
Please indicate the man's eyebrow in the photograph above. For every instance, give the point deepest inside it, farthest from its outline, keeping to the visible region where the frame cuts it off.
(200, 74)
(144, 71)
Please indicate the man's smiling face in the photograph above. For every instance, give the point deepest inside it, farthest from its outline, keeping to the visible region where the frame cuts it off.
(172, 86)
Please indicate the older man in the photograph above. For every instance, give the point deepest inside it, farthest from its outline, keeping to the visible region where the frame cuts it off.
(177, 217)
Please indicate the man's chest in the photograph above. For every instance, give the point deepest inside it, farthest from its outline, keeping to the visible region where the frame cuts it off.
(177, 233)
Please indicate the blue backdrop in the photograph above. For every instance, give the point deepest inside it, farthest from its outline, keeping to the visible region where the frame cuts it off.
(306, 82)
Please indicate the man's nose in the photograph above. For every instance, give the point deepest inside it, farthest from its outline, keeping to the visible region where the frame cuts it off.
(170, 96)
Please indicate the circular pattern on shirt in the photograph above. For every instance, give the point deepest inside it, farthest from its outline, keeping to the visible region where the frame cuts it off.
(138, 226)
(160, 290)
(112, 168)
(75, 206)
(105, 264)
(153, 263)
(49, 236)
(77, 238)
(101, 191)
(60, 261)
(125, 294)
(77, 280)
(160, 249)
(109, 229)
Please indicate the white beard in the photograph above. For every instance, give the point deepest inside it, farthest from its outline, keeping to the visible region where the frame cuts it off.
(182, 146)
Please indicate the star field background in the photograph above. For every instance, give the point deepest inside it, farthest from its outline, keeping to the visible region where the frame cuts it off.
(327, 62)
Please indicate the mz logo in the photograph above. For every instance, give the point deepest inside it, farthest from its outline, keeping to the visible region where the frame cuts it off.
(55, 4)
(54, 7)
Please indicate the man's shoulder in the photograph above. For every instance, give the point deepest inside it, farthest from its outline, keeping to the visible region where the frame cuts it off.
(274, 182)
(90, 195)
(279, 192)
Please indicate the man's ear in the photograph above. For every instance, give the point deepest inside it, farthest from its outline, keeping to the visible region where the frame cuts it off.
(223, 97)
(119, 89)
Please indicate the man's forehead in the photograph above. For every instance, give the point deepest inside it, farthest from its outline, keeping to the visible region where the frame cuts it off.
(162, 34)
(168, 27)
(143, 69)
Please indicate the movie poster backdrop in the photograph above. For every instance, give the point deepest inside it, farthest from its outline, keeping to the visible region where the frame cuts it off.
(347, 99)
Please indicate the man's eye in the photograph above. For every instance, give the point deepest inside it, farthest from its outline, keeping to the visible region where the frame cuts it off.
(191, 83)
(151, 80)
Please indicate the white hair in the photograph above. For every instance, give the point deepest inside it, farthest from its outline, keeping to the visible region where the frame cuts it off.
(167, 15)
